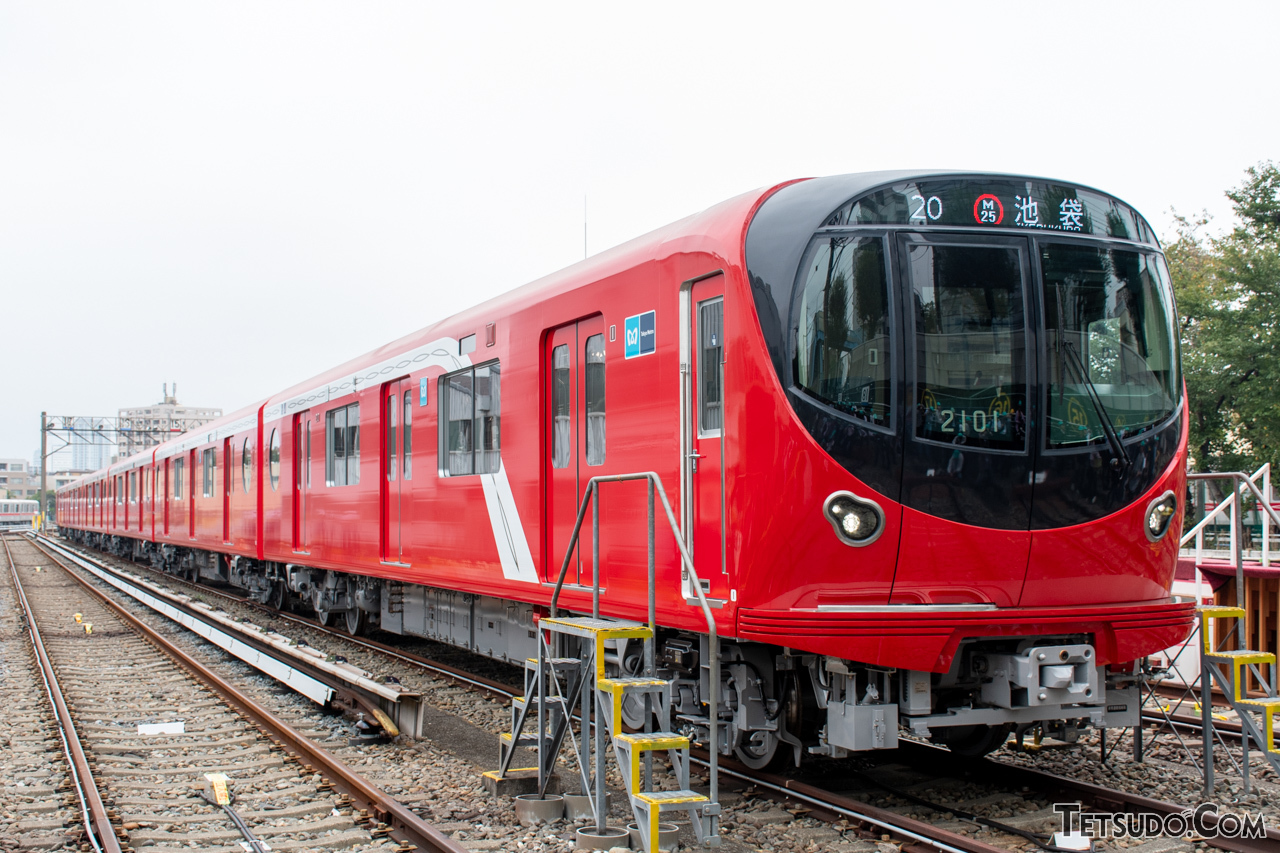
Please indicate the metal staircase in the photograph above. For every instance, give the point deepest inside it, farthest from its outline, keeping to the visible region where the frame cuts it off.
(570, 672)
(1230, 668)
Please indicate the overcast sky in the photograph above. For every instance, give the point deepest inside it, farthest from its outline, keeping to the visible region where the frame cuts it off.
(235, 196)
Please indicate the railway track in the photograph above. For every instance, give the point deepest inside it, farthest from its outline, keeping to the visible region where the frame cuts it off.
(145, 722)
(923, 797)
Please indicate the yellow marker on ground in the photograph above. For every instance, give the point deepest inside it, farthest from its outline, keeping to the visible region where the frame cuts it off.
(78, 618)
(216, 788)
(88, 627)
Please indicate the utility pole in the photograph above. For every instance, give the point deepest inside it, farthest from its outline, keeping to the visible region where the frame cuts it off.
(44, 460)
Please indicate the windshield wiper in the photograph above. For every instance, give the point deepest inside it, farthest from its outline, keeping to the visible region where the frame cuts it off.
(1121, 458)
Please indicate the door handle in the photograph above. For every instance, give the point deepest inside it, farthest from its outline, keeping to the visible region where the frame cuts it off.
(695, 456)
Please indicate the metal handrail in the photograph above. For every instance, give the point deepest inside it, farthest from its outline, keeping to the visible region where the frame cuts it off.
(1197, 531)
(1238, 479)
(655, 482)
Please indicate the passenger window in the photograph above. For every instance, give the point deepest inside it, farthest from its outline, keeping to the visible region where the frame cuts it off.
(710, 350)
(560, 437)
(210, 465)
(274, 460)
(471, 413)
(408, 435)
(342, 451)
(246, 465)
(595, 400)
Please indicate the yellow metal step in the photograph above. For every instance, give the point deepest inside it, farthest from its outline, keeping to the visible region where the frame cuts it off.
(629, 683)
(585, 626)
(640, 742)
(671, 798)
(1269, 707)
(622, 685)
(654, 740)
(1215, 611)
(1239, 660)
(656, 801)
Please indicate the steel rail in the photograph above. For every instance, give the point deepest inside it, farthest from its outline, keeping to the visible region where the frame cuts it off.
(916, 830)
(97, 824)
(344, 691)
(380, 806)
(1110, 799)
(488, 684)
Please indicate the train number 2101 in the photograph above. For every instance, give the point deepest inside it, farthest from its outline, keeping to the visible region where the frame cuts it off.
(981, 423)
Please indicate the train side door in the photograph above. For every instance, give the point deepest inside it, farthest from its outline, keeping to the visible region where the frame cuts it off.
(571, 453)
(396, 424)
(191, 495)
(227, 481)
(707, 436)
(167, 466)
(301, 481)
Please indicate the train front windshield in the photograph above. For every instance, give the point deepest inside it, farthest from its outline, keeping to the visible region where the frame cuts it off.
(1028, 322)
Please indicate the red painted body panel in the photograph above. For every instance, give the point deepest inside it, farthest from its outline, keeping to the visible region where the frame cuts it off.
(781, 560)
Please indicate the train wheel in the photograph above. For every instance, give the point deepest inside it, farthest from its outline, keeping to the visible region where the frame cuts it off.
(324, 617)
(357, 621)
(974, 741)
(279, 595)
(759, 750)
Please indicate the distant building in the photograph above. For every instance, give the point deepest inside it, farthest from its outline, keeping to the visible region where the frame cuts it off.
(17, 481)
(147, 426)
(92, 446)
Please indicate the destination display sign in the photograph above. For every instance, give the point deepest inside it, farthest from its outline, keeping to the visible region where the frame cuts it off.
(996, 203)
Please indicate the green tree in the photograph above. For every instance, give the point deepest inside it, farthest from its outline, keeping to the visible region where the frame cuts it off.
(1228, 291)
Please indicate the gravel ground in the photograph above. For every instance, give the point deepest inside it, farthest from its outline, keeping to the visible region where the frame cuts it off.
(34, 810)
(115, 682)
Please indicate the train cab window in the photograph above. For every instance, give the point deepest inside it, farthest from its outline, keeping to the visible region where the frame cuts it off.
(273, 461)
(560, 425)
(471, 414)
(843, 340)
(179, 466)
(407, 426)
(1108, 316)
(970, 345)
(210, 461)
(342, 450)
(246, 466)
(595, 400)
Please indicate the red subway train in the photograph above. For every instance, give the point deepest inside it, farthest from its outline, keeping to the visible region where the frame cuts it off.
(924, 435)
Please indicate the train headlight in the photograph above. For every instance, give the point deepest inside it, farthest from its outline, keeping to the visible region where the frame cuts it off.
(1159, 516)
(856, 521)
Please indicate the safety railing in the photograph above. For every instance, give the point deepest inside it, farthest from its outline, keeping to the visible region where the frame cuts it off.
(1242, 485)
(1231, 506)
(654, 484)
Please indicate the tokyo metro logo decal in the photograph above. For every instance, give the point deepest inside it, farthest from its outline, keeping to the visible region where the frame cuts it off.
(641, 334)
